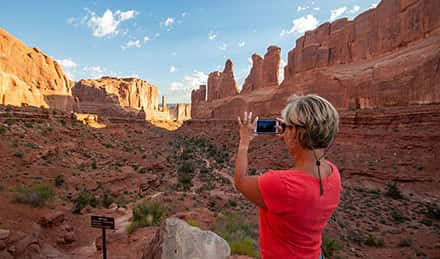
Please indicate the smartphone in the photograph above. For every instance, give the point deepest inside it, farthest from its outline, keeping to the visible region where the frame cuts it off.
(266, 126)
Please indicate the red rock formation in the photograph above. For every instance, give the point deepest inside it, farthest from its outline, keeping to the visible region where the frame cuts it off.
(222, 84)
(28, 76)
(264, 72)
(387, 56)
(198, 95)
(115, 96)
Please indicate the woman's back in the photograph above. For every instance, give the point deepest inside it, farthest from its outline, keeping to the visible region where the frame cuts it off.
(296, 213)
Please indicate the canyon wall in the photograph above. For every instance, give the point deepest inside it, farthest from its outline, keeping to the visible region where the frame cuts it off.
(29, 77)
(387, 56)
(264, 71)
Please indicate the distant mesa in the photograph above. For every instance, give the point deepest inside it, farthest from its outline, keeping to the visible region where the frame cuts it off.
(387, 56)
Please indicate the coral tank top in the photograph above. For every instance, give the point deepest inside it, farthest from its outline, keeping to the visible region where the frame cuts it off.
(296, 214)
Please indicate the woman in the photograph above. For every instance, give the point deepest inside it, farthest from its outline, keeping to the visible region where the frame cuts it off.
(295, 204)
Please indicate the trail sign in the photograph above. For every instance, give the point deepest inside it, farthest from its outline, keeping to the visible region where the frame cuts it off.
(103, 223)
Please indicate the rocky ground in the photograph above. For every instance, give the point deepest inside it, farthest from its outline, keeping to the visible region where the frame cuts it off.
(57, 172)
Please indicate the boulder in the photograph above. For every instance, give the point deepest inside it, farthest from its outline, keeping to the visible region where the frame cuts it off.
(51, 219)
(177, 239)
(4, 234)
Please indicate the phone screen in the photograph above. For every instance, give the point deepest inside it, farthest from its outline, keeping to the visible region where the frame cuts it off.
(267, 126)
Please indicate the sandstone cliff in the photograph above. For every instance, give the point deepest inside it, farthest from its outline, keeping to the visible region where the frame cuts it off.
(29, 77)
(222, 84)
(110, 96)
(264, 72)
(387, 56)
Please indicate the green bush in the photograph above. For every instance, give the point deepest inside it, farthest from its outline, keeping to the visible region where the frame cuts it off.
(19, 154)
(193, 223)
(432, 211)
(59, 180)
(374, 241)
(244, 247)
(82, 199)
(36, 196)
(393, 191)
(239, 232)
(329, 246)
(185, 173)
(146, 214)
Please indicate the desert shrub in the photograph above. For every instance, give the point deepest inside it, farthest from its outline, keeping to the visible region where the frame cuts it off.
(329, 246)
(397, 216)
(2, 188)
(406, 242)
(28, 125)
(121, 202)
(2, 130)
(239, 232)
(374, 241)
(19, 154)
(59, 180)
(36, 196)
(94, 166)
(146, 214)
(83, 199)
(393, 191)
(107, 145)
(185, 173)
(432, 211)
(106, 200)
(193, 223)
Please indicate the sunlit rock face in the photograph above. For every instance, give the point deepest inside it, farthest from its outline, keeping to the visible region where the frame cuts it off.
(30, 77)
(387, 56)
(110, 95)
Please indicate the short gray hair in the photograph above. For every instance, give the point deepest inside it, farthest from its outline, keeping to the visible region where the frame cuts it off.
(315, 119)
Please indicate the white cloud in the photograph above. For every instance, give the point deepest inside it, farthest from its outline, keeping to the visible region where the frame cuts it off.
(146, 39)
(131, 44)
(223, 47)
(94, 72)
(337, 12)
(157, 35)
(168, 21)
(301, 25)
(184, 14)
(212, 35)
(172, 69)
(241, 44)
(72, 20)
(107, 24)
(173, 53)
(374, 5)
(355, 9)
(127, 15)
(180, 91)
(301, 8)
(67, 63)
(316, 8)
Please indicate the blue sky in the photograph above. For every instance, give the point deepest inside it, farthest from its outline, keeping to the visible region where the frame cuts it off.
(172, 44)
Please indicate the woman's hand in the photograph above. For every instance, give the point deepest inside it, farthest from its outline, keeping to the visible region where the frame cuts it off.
(247, 128)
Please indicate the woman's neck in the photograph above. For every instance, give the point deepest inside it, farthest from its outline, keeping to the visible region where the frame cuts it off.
(306, 161)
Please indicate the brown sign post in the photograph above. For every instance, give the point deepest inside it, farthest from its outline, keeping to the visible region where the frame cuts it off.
(103, 223)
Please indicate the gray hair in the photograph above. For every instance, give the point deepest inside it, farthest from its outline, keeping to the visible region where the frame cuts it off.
(315, 119)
